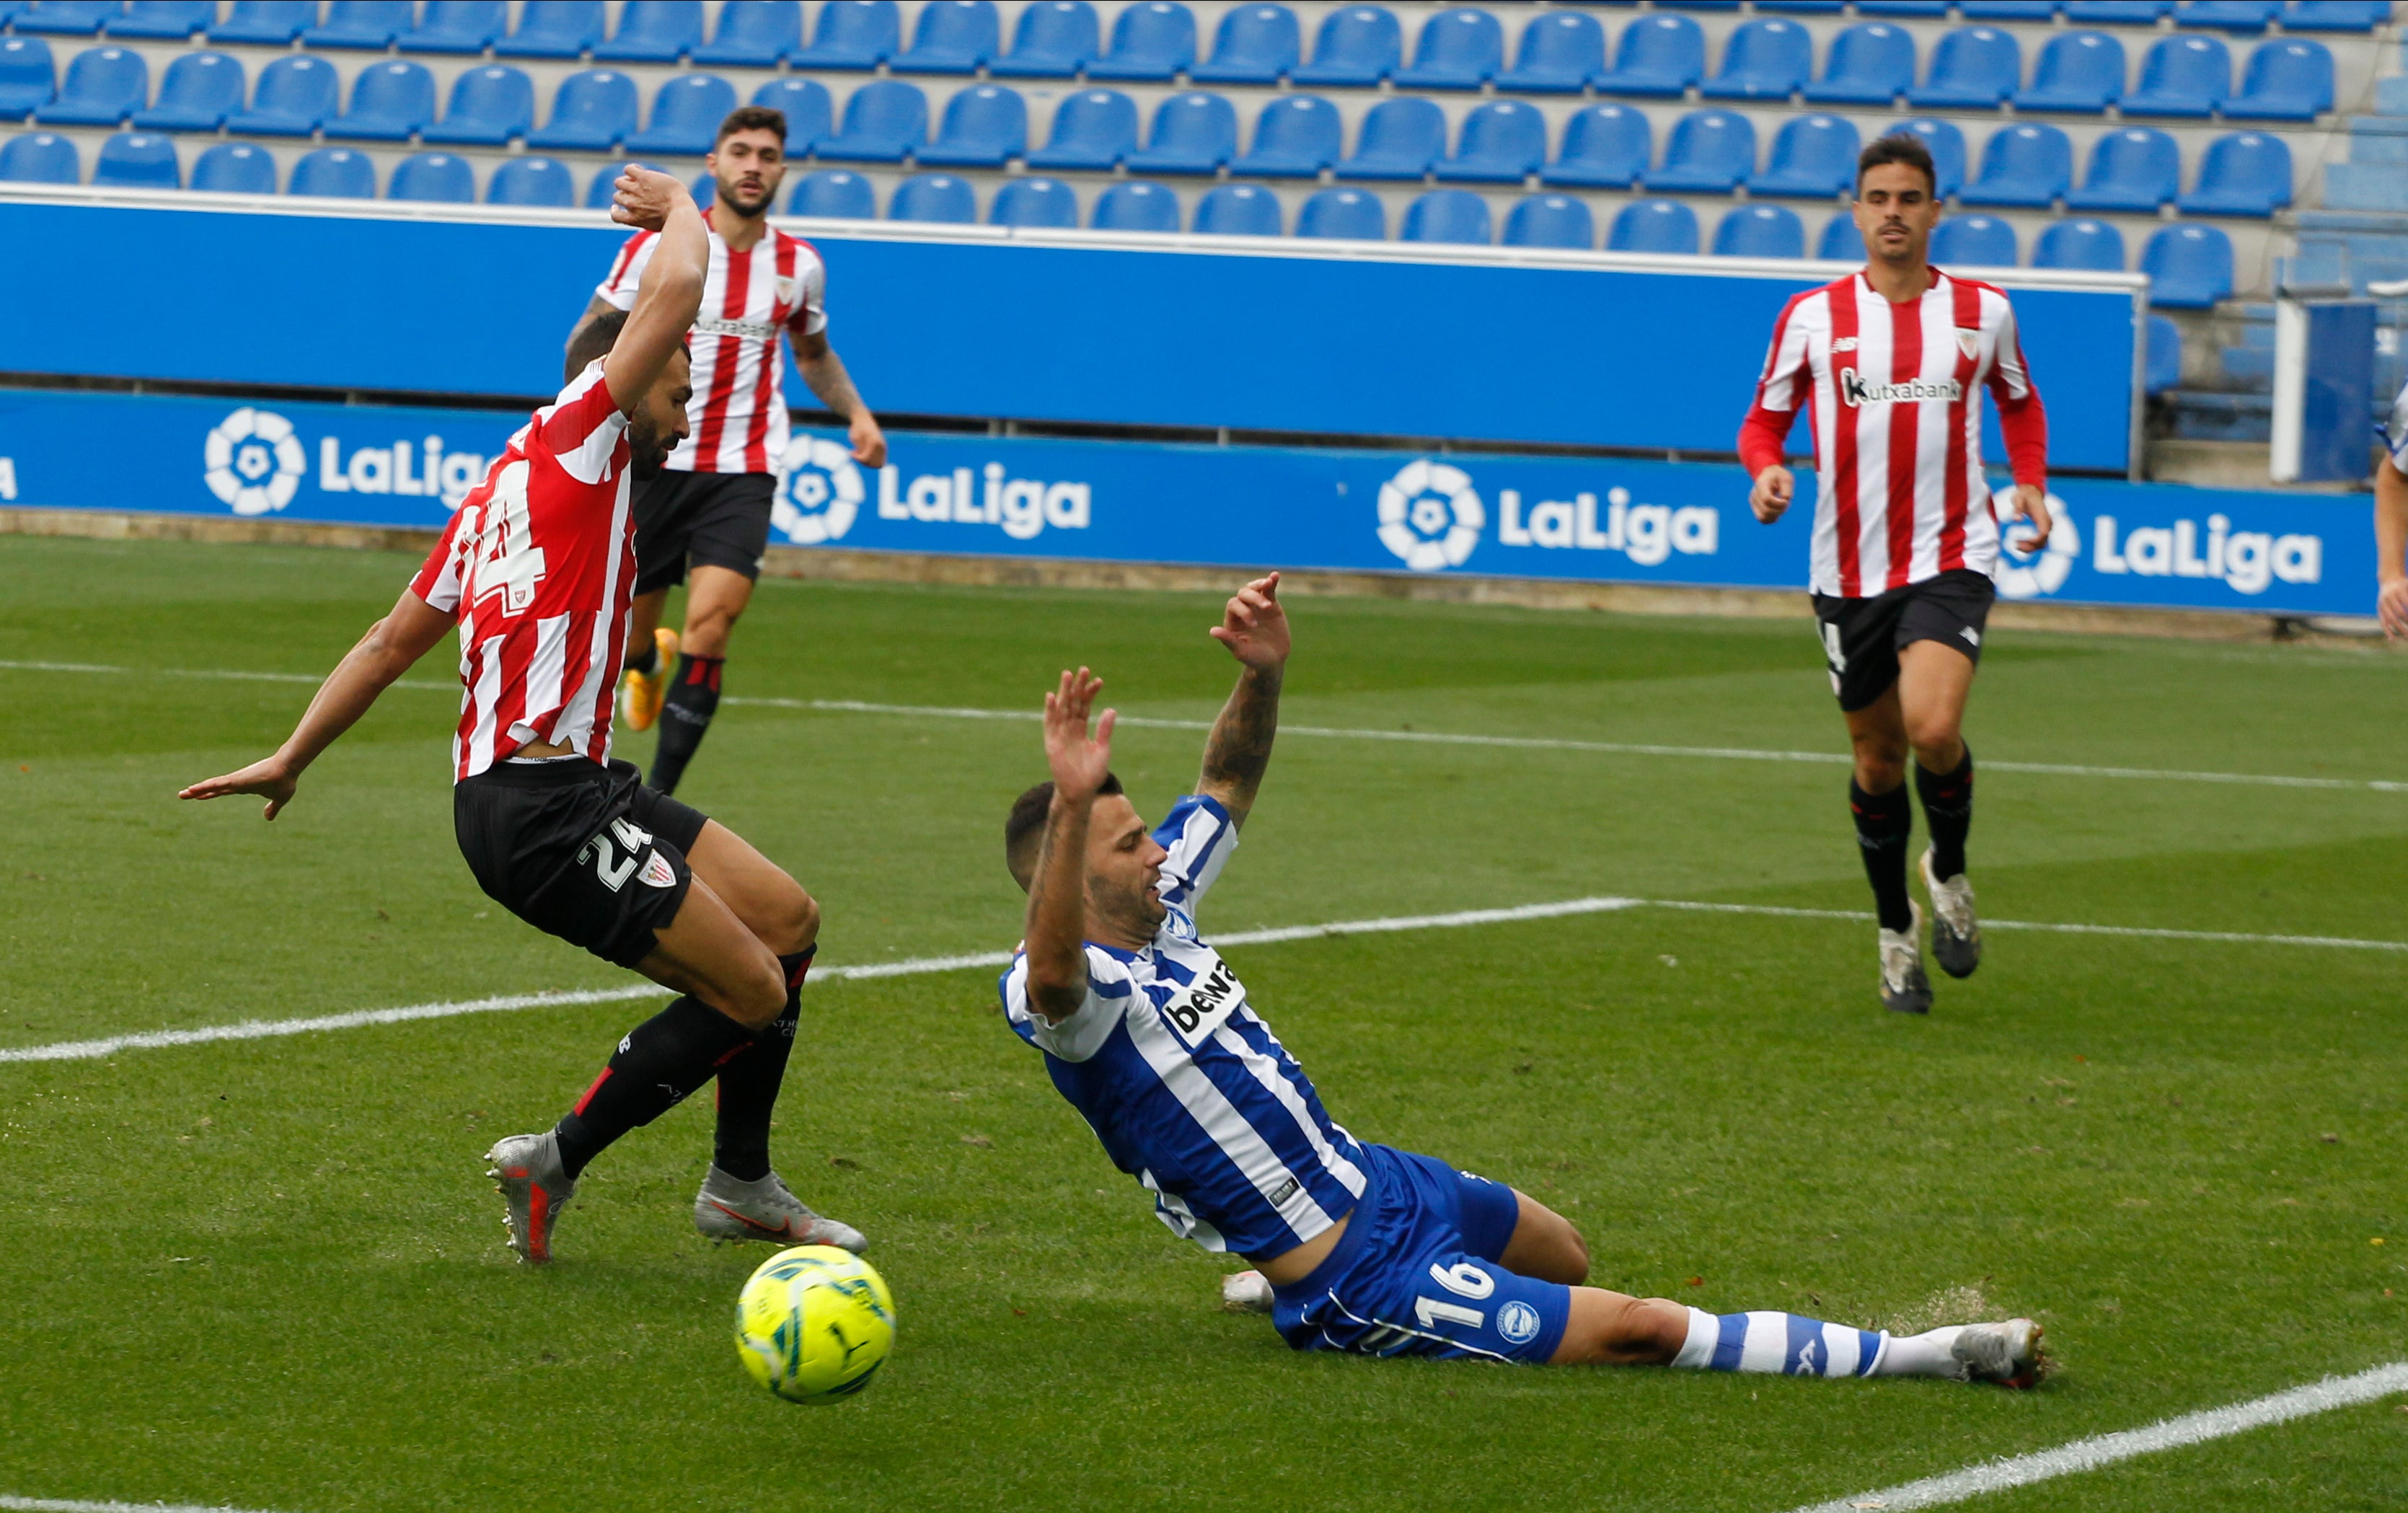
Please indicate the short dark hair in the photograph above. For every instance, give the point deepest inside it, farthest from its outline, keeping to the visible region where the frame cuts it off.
(752, 117)
(1897, 147)
(594, 339)
(1028, 822)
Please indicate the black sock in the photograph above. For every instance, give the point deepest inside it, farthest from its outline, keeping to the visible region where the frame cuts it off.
(648, 659)
(747, 1086)
(1884, 822)
(692, 699)
(661, 1061)
(1948, 808)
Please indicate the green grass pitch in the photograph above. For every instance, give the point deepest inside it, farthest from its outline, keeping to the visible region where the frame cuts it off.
(268, 1275)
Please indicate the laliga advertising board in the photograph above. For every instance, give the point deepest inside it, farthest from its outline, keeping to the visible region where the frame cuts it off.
(1599, 519)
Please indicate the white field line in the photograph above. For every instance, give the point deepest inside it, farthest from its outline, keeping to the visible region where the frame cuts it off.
(1423, 738)
(69, 1050)
(71, 1504)
(2106, 1449)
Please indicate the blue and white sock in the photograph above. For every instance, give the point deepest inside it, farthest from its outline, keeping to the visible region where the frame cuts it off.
(1784, 1344)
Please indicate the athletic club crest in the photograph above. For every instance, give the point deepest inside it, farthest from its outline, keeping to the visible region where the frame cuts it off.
(786, 292)
(1969, 343)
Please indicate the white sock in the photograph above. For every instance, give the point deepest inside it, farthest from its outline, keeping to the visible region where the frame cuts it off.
(1921, 1355)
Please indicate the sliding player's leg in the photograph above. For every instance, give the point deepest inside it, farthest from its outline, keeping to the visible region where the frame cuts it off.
(1609, 1328)
(1935, 675)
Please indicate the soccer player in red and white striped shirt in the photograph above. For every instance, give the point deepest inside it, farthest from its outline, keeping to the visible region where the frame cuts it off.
(708, 513)
(537, 570)
(1888, 364)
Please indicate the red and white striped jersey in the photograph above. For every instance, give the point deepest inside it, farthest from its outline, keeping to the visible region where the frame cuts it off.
(737, 419)
(540, 565)
(1897, 418)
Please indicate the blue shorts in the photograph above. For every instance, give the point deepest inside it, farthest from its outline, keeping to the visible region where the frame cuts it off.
(1416, 1273)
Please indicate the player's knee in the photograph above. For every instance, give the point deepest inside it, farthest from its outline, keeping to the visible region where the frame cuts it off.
(1556, 1252)
(757, 995)
(1933, 734)
(1610, 1329)
(796, 922)
(1879, 770)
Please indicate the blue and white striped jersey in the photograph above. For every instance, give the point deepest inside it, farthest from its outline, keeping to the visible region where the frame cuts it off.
(1188, 1088)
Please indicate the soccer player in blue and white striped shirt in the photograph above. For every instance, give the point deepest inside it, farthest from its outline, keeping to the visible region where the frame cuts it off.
(1363, 1248)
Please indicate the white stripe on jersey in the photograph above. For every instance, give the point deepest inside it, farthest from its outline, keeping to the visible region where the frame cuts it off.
(1267, 1071)
(1239, 1140)
(543, 672)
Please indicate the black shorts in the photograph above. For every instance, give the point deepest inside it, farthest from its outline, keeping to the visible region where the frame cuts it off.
(584, 852)
(711, 520)
(1862, 637)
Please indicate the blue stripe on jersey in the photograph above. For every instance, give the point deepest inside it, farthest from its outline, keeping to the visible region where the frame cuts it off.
(1197, 833)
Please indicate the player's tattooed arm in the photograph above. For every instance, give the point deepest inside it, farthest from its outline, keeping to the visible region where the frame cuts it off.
(1255, 628)
(392, 645)
(1056, 937)
(824, 372)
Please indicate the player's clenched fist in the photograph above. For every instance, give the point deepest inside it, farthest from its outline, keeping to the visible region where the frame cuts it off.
(1080, 763)
(642, 198)
(1253, 625)
(1771, 497)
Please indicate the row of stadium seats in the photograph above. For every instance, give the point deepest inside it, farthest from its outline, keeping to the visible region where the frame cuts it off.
(1296, 135)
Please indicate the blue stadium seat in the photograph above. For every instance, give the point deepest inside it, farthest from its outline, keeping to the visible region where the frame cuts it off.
(1454, 216)
(1255, 45)
(592, 110)
(2287, 80)
(196, 95)
(1295, 136)
(294, 95)
(489, 105)
(1399, 139)
(1561, 52)
(2227, 15)
(1813, 157)
(2078, 72)
(2029, 166)
(2041, 11)
(1973, 241)
(2080, 242)
(390, 102)
(1502, 142)
(1604, 147)
(553, 29)
(1652, 226)
(27, 75)
(1841, 241)
(654, 31)
(834, 195)
(686, 113)
(1044, 204)
(854, 34)
(1194, 133)
(1054, 39)
(810, 113)
(333, 173)
(985, 125)
(2161, 367)
(1973, 69)
(235, 168)
(138, 160)
(371, 24)
(2182, 76)
(1093, 129)
(2136, 169)
(438, 177)
(1658, 55)
(1550, 220)
(65, 18)
(947, 199)
(753, 36)
(1339, 214)
(1461, 48)
(885, 121)
(1902, 7)
(1869, 63)
(597, 193)
(2116, 12)
(2335, 15)
(1151, 40)
(268, 22)
(41, 157)
(1804, 7)
(543, 183)
(954, 36)
(1239, 210)
(458, 26)
(2246, 174)
(2189, 268)
(1708, 152)
(1764, 60)
(168, 20)
(1760, 230)
(1945, 144)
(1358, 45)
(103, 87)
(1136, 205)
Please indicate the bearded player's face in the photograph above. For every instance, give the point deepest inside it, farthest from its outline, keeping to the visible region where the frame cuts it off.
(748, 165)
(659, 423)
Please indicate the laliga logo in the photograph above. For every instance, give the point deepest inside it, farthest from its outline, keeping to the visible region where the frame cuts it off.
(1430, 516)
(2025, 574)
(822, 493)
(254, 461)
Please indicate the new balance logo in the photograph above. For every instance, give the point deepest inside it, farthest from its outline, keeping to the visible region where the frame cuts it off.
(1844, 344)
(1855, 391)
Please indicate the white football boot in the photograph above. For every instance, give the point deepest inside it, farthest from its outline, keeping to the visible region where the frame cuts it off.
(1246, 1292)
(1956, 934)
(2006, 1353)
(728, 1208)
(527, 1173)
(1904, 988)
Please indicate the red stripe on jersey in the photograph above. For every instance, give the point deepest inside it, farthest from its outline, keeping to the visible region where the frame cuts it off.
(627, 255)
(1905, 366)
(722, 369)
(764, 388)
(1844, 444)
(1961, 411)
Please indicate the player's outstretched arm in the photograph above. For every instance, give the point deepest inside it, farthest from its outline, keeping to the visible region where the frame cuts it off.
(392, 645)
(1056, 936)
(670, 294)
(823, 371)
(1254, 627)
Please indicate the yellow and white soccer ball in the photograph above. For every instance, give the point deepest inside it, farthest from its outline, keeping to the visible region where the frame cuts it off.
(814, 1323)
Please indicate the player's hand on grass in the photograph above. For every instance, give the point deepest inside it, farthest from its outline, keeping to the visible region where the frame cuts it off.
(271, 779)
(869, 441)
(1253, 626)
(2031, 504)
(1771, 497)
(643, 199)
(1078, 760)
(2392, 607)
